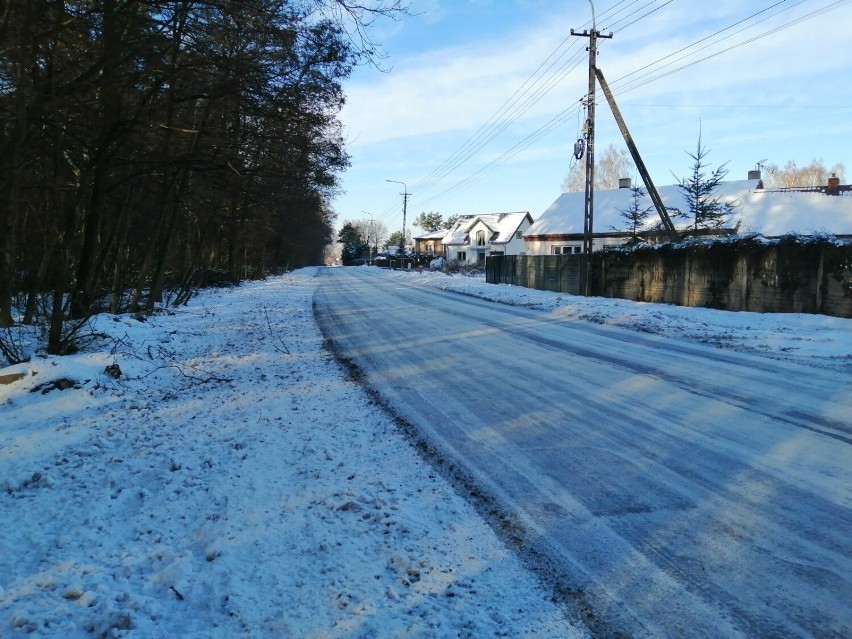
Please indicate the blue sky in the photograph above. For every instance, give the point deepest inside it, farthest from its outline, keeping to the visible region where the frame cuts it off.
(779, 93)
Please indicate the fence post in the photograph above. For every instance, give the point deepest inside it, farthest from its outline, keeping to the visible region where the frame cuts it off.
(819, 288)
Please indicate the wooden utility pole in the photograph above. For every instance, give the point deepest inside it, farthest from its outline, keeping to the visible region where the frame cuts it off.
(640, 165)
(589, 130)
(405, 195)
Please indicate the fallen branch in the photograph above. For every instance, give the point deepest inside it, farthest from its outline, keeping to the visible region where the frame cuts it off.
(271, 332)
(201, 380)
(12, 347)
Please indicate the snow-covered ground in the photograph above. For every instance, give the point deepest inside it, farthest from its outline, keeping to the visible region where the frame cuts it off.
(233, 482)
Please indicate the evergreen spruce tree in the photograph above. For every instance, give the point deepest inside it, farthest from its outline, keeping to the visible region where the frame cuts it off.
(635, 215)
(705, 207)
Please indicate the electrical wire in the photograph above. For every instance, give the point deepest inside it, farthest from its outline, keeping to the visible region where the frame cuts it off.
(500, 118)
(512, 116)
(642, 17)
(524, 98)
(645, 79)
(611, 13)
(551, 125)
(531, 91)
(534, 88)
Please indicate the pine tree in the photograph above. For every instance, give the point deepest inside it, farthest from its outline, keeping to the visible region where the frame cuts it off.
(705, 208)
(396, 239)
(450, 222)
(635, 215)
(353, 244)
(429, 221)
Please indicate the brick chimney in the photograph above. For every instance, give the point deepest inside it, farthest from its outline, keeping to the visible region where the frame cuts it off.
(833, 185)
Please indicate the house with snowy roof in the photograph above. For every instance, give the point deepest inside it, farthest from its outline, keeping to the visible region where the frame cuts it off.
(429, 244)
(770, 212)
(473, 237)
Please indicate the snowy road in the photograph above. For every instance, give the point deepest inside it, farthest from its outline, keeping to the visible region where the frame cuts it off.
(679, 490)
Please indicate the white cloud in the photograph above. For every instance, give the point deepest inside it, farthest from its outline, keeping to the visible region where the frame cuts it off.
(781, 87)
(447, 91)
(459, 89)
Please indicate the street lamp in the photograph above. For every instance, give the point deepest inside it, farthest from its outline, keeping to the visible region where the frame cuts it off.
(405, 195)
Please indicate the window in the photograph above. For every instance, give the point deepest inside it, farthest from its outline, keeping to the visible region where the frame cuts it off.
(480, 238)
(461, 256)
(565, 250)
(430, 248)
(519, 235)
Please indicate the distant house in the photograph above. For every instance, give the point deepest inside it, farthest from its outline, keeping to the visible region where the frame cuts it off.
(430, 243)
(474, 237)
(769, 212)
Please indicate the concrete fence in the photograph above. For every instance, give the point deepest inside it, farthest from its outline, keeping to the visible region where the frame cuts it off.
(781, 276)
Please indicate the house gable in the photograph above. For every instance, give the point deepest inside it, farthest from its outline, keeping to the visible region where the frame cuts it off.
(475, 236)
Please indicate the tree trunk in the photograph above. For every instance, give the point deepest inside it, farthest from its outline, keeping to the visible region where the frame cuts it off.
(8, 220)
(110, 101)
(55, 341)
(37, 284)
(11, 166)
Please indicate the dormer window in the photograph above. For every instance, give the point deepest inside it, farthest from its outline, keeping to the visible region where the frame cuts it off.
(480, 238)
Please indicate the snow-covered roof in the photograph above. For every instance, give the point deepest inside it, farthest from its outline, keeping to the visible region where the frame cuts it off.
(769, 212)
(432, 235)
(503, 225)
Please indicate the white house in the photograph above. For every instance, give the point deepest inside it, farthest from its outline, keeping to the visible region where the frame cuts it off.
(770, 212)
(473, 237)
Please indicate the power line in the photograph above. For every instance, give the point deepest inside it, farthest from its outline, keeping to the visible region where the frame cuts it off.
(545, 129)
(511, 110)
(512, 116)
(524, 98)
(744, 106)
(612, 13)
(473, 143)
(641, 78)
(642, 81)
(558, 120)
(629, 24)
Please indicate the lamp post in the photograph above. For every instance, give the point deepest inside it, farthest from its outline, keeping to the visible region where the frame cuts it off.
(405, 195)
